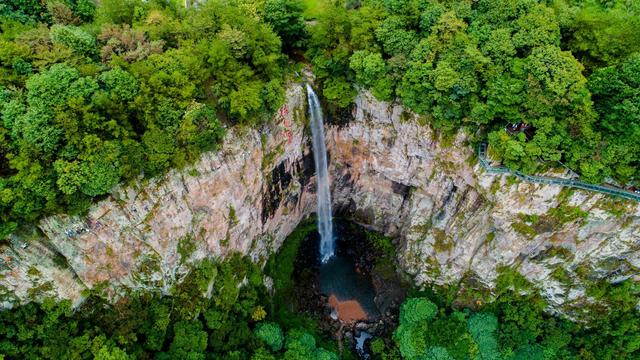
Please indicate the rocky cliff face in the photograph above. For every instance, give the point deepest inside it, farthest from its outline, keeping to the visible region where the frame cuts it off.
(453, 220)
(245, 198)
(388, 172)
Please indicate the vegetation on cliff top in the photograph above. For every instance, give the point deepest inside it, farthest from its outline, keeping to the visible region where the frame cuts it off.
(566, 69)
(90, 96)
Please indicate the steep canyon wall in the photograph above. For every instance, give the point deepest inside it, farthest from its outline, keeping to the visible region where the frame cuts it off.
(245, 198)
(388, 172)
(453, 220)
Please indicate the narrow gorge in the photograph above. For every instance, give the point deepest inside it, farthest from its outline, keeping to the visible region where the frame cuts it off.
(389, 171)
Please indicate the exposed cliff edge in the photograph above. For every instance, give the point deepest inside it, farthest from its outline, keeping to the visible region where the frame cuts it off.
(454, 220)
(247, 198)
(388, 172)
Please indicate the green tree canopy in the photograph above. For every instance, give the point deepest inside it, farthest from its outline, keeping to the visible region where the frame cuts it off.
(271, 334)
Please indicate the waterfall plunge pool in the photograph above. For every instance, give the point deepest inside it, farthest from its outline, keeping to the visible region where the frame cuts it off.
(340, 275)
(353, 297)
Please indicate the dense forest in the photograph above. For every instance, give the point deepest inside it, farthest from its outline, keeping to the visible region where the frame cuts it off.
(90, 97)
(569, 69)
(231, 324)
(93, 96)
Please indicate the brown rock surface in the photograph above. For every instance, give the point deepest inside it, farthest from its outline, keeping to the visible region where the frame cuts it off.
(349, 311)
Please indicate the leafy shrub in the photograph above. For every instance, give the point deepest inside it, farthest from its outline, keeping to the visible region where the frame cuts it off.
(286, 18)
(75, 38)
(411, 340)
(271, 334)
(300, 338)
(120, 83)
(482, 327)
(415, 310)
(189, 342)
(437, 353)
(322, 354)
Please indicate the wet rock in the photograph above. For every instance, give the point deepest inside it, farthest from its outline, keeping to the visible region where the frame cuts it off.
(268, 283)
(348, 336)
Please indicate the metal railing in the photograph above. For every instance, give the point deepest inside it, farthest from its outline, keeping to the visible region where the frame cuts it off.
(550, 180)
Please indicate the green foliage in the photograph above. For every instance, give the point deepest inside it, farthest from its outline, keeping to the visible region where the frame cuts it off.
(339, 91)
(616, 92)
(385, 350)
(616, 333)
(323, 354)
(188, 324)
(370, 70)
(24, 11)
(184, 324)
(271, 334)
(286, 18)
(482, 327)
(85, 9)
(600, 32)
(189, 340)
(565, 213)
(437, 353)
(426, 333)
(329, 52)
(524, 229)
(186, 246)
(381, 243)
(487, 64)
(75, 38)
(516, 325)
(281, 265)
(416, 310)
(411, 340)
(510, 279)
(120, 83)
(116, 11)
(81, 113)
(299, 345)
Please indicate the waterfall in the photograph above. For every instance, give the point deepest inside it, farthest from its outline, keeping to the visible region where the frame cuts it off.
(325, 226)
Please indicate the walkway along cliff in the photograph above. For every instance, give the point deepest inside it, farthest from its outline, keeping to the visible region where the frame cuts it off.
(553, 180)
(451, 218)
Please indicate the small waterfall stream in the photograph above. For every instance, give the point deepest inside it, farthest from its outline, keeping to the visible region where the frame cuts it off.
(325, 225)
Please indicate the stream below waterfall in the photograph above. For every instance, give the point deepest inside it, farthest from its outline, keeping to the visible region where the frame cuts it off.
(354, 298)
(342, 274)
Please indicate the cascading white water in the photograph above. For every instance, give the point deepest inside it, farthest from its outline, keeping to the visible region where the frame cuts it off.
(325, 225)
